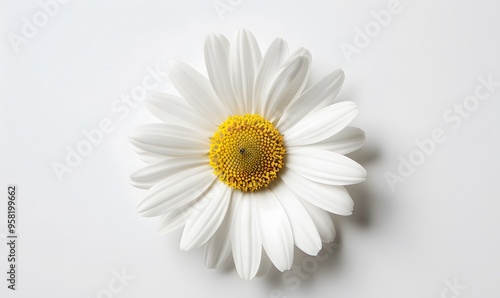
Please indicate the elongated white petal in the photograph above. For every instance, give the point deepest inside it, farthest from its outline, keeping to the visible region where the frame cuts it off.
(217, 49)
(325, 89)
(322, 220)
(148, 157)
(287, 85)
(305, 234)
(265, 265)
(245, 238)
(176, 219)
(346, 141)
(332, 198)
(245, 60)
(169, 140)
(204, 222)
(324, 166)
(150, 175)
(176, 191)
(275, 231)
(172, 109)
(271, 63)
(218, 248)
(172, 222)
(320, 125)
(197, 92)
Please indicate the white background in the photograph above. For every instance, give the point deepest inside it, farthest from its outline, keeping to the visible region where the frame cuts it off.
(439, 226)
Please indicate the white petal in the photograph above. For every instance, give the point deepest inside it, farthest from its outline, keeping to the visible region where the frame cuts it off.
(173, 109)
(245, 238)
(273, 59)
(326, 89)
(324, 166)
(176, 191)
(171, 222)
(305, 234)
(265, 265)
(287, 85)
(218, 247)
(322, 220)
(275, 231)
(245, 60)
(150, 175)
(321, 124)
(197, 92)
(204, 222)
(332, 198)
(346, 141)
(217, 61)
(148, 157)
(176, 219)
(169, 140)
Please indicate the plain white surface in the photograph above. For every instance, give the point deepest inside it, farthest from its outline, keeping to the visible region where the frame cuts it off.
(439, 226)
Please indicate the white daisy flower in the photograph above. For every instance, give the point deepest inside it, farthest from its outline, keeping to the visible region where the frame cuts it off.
(248, 161)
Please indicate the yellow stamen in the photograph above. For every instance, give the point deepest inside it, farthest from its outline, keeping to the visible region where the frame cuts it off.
(247, 152)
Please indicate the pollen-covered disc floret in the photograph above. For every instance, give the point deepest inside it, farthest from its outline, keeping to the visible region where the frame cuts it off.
(247, 152)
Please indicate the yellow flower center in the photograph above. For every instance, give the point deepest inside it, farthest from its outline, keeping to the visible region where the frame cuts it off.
(247, 152)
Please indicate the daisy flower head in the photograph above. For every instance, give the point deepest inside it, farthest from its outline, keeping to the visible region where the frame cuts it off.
(248, 161)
